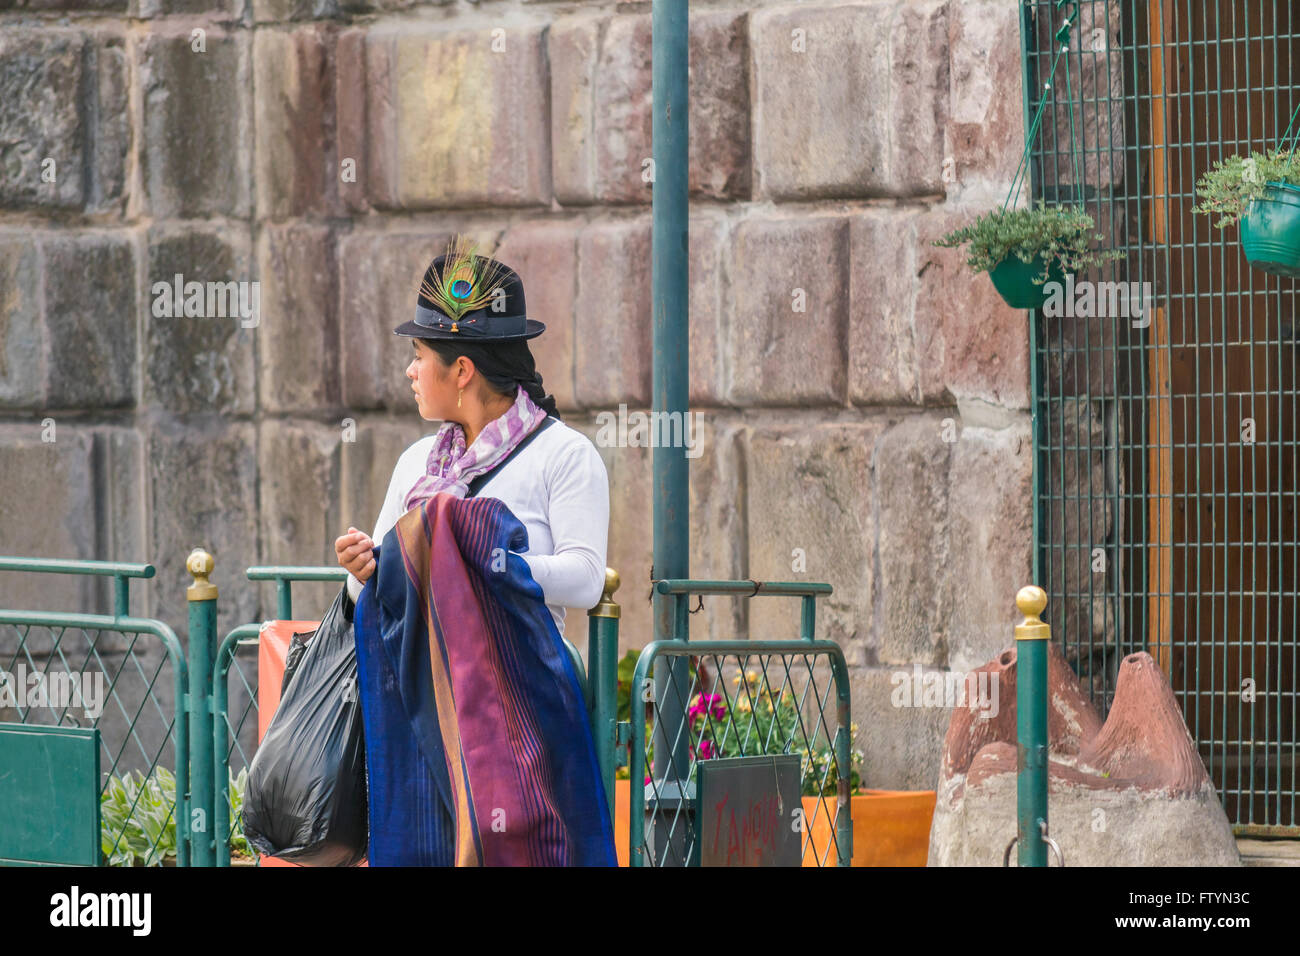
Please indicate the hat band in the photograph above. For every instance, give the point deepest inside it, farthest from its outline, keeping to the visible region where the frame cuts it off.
(481, 325)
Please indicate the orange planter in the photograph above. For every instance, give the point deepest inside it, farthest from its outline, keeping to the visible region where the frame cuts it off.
(890, 827)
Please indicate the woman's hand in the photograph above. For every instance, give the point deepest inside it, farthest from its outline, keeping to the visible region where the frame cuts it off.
(356, 553)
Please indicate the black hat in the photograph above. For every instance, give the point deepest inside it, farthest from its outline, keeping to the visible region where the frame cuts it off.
(470, 297)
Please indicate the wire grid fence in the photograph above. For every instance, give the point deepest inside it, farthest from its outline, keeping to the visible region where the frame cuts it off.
(1165, 414)
(123, 682)
(784, 699)
(236, 732)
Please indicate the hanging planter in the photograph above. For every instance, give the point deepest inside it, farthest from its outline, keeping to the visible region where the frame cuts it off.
(1270, 230)
(1023, 250)
(1261, 190)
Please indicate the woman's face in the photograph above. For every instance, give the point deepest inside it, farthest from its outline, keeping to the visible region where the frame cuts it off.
(434, 384)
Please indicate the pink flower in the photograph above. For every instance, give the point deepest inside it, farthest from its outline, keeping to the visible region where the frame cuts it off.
(705, 750)
(708, 703)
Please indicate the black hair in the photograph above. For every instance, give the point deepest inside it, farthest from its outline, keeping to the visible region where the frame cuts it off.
(504, 366)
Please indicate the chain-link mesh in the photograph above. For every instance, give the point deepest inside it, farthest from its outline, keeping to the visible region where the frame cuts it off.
(122, 682)
(1166, 438)
(708, 702)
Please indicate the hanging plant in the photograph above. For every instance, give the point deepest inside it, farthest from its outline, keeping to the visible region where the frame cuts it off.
(1024, 249)
(1262, 191)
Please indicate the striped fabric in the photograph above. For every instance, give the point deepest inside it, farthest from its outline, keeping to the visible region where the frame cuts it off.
(478, 749)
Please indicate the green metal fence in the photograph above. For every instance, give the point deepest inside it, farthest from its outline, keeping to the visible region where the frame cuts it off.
(694, 701)
(109, 673)
(1165, 436)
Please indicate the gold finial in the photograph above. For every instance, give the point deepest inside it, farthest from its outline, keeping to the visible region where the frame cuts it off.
(607, 607)
(200, 565)
(1031, 600)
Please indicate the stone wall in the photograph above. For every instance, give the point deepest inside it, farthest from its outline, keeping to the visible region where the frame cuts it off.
(876, 438)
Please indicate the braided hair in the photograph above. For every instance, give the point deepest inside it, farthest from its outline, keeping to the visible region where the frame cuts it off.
(505, 366)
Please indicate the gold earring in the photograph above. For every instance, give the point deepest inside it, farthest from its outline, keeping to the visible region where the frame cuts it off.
(459, 396)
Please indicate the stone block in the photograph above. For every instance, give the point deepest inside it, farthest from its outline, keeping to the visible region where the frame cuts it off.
(295, 168)
(991, 538)
(201, 363)
(803, 146)
(23, 350)
(789, 321)
(986, 128)
(918, 96)
(192, 167)
(222, 11)
(91, 316)
(884, 365)
(613, 321)
(202, 474)
(975, 345)
(278, 11)
(298, 336)
(811, 518)
(350, 130)
(379, 277)
(47, 510)
(901, 741)
(545, 255)
(368, 453)
(41, 77)
(122, 507)
(436, 110)
(602, 107)
(299, 479)
(913, 469)
(717, 531)
(889, 74)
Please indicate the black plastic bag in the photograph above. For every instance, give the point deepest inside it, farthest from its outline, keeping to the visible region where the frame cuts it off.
(297, 647)
(305, 800)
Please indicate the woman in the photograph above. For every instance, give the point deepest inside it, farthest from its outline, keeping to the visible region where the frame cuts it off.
(478, 746)
(475, 373)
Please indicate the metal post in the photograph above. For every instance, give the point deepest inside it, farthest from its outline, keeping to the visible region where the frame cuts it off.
(202, 598)
(284, 599)
(602, 675)
(671, 373)
(1032, 636)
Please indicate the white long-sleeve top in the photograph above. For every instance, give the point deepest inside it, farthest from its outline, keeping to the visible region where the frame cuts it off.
(559, 488)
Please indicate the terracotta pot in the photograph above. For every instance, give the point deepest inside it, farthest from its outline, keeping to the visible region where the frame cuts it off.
(890, 827)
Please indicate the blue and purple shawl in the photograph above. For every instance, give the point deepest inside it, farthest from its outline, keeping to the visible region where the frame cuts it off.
(478, 749)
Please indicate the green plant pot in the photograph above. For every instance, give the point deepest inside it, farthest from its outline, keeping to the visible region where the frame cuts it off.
(1012, 277)
(1270, 231)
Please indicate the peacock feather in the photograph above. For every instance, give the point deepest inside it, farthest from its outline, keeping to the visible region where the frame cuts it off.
(466, 282)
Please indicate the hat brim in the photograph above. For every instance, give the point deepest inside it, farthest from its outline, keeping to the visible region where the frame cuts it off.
(532, 329)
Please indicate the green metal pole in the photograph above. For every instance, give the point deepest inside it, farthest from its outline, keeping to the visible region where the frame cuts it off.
(671, 369)
(202, 598)
(602, 673)
(284, 599)
(1031, 727)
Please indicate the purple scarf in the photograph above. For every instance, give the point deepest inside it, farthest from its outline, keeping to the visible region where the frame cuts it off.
(451, 466)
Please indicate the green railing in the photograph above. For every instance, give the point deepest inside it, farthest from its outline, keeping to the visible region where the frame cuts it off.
(694, 701)
(781, 704)
(118, 661)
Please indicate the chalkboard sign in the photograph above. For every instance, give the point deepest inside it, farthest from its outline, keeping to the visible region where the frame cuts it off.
(749, 811)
